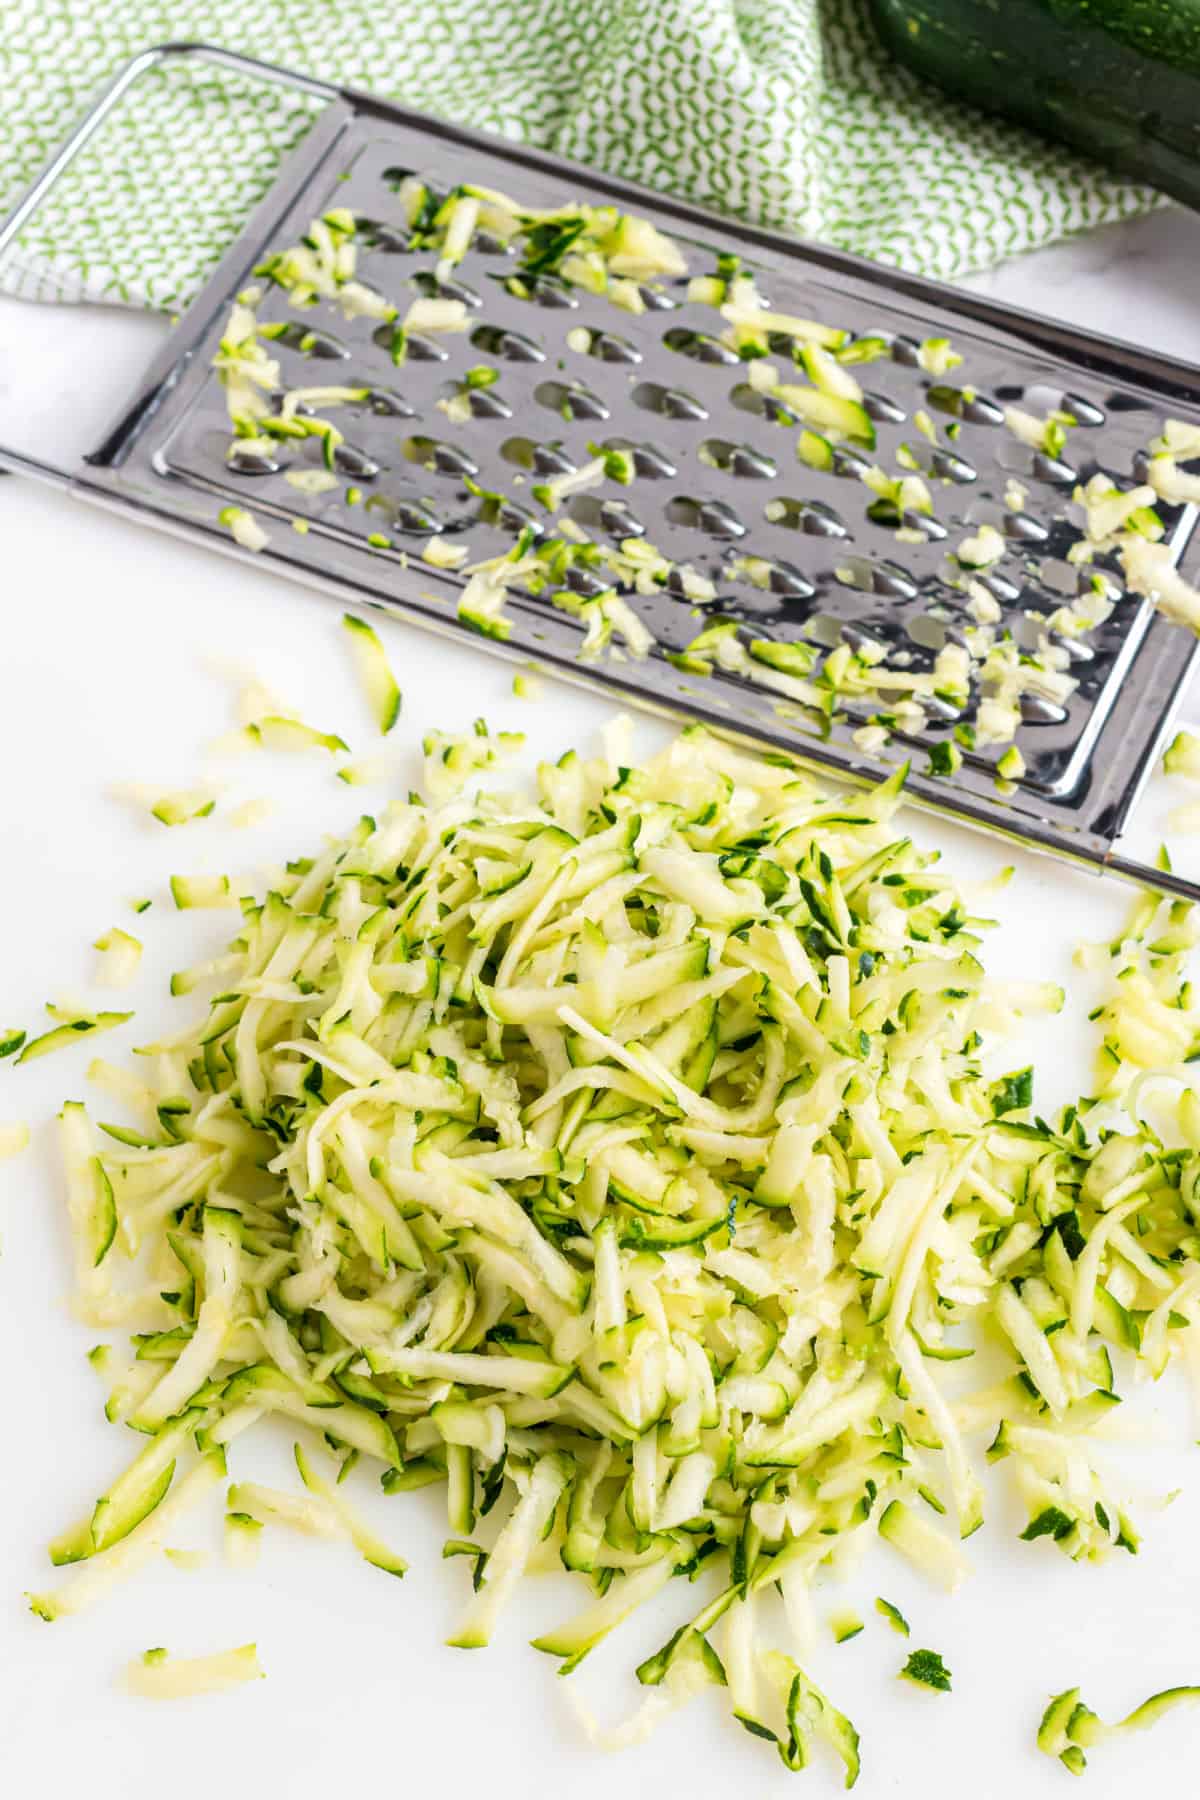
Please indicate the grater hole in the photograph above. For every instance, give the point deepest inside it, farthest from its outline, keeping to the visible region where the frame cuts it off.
(928, 632)
(657, 299)
(606, 346)
(952, 467)
(998, 586)
(811, 516)
(867, 347)
(850, 464)
(884, 409)
(539, 459)
(1084, 411)
(1042, 399)
(964, 403)
(886, 512)
(669, 402)
(1169, 511)
(677, 583)
(772, 576)
(514, 346)
(486, 243)
(542, 290)
(1014, 458)
(420, 200)
(408, 346)
(509, 515)
(570, 400)
(430, 288)
(748, 399)
(701, 346)
(868, 577)
(712, 516)
(322, 346)
(486, 403)
(1058, 576)
(977, 409)
(252, 462)
(1076, 648)
(1088, 575)
(737, 459)
(1036, 709)
(905, 350)
(1053, 469)
(614, 517)
(387, 404)
(648, 459)
(375, 234)
(859, 639)
(438, 458)
(412, 518)
(824, 629)
(355, 462)
(1024, 528)
(586, 582)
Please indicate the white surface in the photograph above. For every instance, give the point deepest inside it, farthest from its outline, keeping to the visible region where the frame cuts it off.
(102, 677)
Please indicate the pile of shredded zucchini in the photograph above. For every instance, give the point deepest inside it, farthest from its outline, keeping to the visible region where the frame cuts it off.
(627, 1158)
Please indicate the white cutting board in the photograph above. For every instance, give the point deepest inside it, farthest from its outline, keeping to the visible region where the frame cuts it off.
(103, 677)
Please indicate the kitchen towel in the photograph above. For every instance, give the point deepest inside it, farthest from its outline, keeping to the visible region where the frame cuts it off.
(786, 112)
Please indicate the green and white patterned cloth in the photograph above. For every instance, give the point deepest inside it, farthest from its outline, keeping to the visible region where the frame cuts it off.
(786, 112)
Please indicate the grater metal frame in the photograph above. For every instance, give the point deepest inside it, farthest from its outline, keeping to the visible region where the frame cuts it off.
(146, 468)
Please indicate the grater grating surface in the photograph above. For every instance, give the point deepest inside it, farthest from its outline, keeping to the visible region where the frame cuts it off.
(710, 462)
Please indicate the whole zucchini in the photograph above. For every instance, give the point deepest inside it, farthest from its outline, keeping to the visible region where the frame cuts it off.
(1117, 78)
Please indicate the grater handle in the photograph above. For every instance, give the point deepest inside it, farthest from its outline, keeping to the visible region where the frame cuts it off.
(21, 462)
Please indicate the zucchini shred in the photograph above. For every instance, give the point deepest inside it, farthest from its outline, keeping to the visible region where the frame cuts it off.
(624, 1157)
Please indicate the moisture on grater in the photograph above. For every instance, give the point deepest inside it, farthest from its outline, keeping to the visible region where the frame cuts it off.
(565, 408)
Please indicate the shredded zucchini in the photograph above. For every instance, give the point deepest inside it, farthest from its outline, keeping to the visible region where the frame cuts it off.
(120, 957)
(170, 806)
(243, 527)
(194, 891)
(363, 772)
(628, 1157)
(243, 1534)
(250, 813)
(13, 1139)
(925, 1668)
(894, 1616)
(292, 735)
(379, 684)
(157, 1676)
(68, 1031)
(1182, 756)
(1069, 1727)
(189, 1560)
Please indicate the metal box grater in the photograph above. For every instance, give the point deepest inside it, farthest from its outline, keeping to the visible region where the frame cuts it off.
(709, 458)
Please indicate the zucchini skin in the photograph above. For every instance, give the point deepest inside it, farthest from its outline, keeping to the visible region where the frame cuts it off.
(1119, 79)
